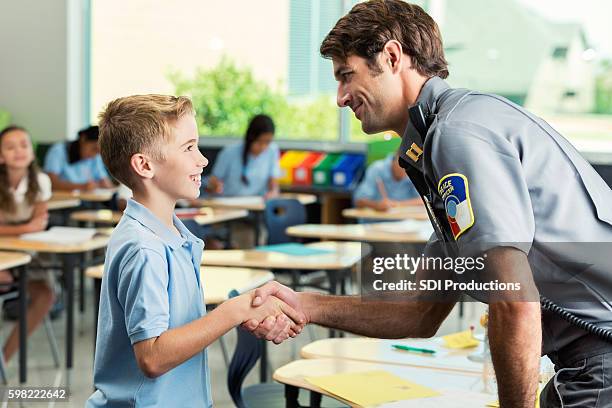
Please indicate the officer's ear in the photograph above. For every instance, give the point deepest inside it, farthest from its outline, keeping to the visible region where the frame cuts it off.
(393, 55)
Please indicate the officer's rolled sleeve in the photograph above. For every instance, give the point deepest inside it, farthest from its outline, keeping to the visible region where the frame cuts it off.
(498, 193)
(143, 293)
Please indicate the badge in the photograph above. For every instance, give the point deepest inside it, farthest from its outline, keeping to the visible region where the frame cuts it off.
(454, 191)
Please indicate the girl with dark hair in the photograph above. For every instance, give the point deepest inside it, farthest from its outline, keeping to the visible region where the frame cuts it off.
(250, 167)
(24, 191)
(77, 165)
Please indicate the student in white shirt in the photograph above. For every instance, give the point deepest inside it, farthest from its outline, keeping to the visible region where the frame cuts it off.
(24, 191)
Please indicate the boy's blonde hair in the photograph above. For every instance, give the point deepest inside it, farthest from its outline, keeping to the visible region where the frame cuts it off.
(138, 124)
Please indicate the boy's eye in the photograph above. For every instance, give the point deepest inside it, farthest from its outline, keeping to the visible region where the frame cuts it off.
(190, 148)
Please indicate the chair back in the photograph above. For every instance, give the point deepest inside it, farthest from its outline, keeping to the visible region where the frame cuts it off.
(279, 214)
(248, 351)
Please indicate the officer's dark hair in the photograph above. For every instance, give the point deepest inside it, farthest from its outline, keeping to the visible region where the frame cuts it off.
(259, 125)
(366, 29)
(7, 199)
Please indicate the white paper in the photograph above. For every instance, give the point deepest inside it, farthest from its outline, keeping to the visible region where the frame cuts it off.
(61, 235)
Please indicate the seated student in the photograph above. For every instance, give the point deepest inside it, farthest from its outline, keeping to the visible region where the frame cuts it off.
(77, 165)
(153, 329)
(250, 167)
(24, 190)
(385, 186)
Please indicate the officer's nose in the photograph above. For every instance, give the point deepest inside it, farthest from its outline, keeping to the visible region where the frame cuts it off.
(343, 98)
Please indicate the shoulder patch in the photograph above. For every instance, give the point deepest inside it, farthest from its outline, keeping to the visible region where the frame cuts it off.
(454, 191)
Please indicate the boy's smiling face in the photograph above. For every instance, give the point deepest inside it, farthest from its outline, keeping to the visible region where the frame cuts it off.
(179, 173)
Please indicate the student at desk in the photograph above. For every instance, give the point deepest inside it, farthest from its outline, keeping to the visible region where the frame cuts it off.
(385, 186)
(153, 329)
(77, 165)
(248, 168)
(24, 190)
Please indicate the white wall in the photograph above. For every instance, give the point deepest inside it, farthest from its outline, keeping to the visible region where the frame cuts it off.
(41, 66)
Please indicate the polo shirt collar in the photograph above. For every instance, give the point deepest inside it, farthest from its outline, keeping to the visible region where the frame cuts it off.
(149, 220)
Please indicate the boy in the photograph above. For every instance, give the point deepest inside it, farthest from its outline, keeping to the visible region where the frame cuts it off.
(153, 330)
(385, 186)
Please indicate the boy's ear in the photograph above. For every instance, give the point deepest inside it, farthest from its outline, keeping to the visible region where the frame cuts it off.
(142, 165)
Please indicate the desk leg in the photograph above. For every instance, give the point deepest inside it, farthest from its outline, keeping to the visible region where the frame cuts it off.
(69, 265)
(23, 325)
(82, 283)
(96, 309)
(258, 221)
(315, 399)
(263, 362)
(291, 396)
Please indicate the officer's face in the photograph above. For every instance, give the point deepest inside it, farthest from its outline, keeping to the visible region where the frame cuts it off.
(370, 94)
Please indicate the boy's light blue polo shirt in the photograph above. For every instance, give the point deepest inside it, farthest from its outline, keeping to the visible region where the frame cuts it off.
(396, 190)
(151, 284)
(258, 170)
(56, 161)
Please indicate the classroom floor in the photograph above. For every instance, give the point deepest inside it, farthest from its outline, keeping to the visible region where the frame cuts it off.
(41, 371)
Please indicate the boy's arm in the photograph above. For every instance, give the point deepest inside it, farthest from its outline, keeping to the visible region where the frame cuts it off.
(60, 184)
(158, 355)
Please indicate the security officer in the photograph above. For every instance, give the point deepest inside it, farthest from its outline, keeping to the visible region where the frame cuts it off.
(498, 183)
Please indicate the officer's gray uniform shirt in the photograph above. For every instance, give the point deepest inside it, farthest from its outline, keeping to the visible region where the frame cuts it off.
(526, 186)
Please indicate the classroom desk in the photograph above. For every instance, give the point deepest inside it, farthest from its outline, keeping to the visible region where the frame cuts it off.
(345, 255)
(56, 203)
(69, 254)
(380, 351)
(94, 196)
(416, 212)
(17, 260)
(208, 217)
(250, 203)
(457, 389)
(377, 232)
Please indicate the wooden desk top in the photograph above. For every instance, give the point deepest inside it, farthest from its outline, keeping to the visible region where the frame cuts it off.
(97, 195)
(251, 203)
(10, 260)
(15, 243)
(56, 203)
(208, 217)
(378, 232)
(380, 351)
(217, 282)
(416, 212)
(345, 256)
(458, 390)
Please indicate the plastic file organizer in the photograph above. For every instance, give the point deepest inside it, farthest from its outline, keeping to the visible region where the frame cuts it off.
(321, 173)
(302, 174)
(379, 149)
(290, 160)
(346, 169)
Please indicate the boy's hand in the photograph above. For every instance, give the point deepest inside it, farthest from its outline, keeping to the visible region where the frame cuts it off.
(272, 327)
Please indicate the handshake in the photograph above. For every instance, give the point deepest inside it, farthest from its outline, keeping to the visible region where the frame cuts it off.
(275, 313)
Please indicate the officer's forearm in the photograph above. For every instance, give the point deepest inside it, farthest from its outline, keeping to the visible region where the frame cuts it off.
(381, 319)
(516, 340)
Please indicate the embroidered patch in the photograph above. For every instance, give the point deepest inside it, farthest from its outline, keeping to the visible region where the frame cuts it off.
(454, 191)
